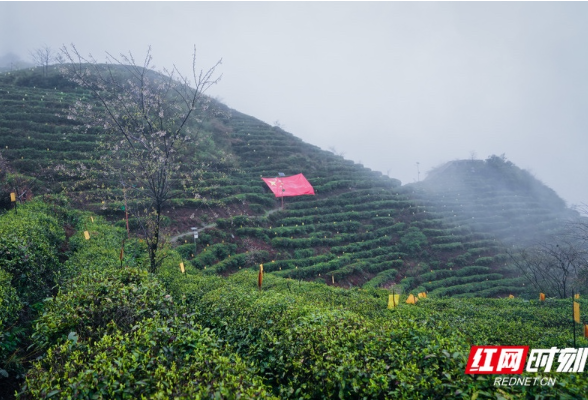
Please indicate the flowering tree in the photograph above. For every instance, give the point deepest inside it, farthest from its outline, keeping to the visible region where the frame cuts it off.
(147, 120)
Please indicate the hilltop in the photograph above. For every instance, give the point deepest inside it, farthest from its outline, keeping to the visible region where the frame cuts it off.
(497, 197)
(361, 229)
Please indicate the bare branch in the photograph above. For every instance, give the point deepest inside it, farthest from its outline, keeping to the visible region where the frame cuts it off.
(43, 57)
(146, 120)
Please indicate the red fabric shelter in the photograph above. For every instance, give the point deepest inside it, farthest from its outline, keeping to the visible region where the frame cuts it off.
(295, 185)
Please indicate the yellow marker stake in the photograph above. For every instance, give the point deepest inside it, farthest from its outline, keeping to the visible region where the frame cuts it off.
(585, 332)
(393, 300)
(182, 267)
(260, 276)
(87, 235)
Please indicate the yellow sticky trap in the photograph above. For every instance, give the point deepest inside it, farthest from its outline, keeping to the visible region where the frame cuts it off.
(585, 332)
(542, 296)
(411, 299)
(577, 296)
(87, 235)
(510, 296)
(422, 295)
(182, 267)
(393, 300)
(577, 312)
(92, 218)
(13, 197)
(260, 276)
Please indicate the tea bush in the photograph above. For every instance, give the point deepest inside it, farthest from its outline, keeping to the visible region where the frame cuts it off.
(315, 341)
(96, 302)
(159, 358)
(30, 240)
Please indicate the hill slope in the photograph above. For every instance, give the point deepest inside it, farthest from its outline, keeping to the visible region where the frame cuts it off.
(497, 197)
(361, 229)
(111, 330)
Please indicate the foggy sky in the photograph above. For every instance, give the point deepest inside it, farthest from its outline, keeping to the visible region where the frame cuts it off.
(387, 84)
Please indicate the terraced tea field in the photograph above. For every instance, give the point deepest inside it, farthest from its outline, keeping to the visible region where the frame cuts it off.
(445, 236)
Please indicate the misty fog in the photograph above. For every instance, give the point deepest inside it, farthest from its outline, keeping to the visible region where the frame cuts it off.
(389, 85)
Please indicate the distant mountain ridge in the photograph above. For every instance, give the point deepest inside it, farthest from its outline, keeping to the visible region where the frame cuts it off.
(497, 197)
(12, 62)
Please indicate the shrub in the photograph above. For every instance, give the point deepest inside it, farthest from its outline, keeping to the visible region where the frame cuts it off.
(484, 260)
(10, 332)
(172, 358)
(412, 240)
(29, 250)
(97, 302)
(381, 278)
(10, 304)
(304, 253)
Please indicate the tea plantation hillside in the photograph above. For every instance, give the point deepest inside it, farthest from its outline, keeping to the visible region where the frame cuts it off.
(495, 196)
(361, 229)
(87, 321)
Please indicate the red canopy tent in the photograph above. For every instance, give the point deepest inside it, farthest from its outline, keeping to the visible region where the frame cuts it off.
(295, 185)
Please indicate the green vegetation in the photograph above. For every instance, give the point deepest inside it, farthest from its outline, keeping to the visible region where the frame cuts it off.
(78, 321)
(495, 197)
(359, 224)
(116, 331)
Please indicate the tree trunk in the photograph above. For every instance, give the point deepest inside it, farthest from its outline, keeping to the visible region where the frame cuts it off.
(154, 241)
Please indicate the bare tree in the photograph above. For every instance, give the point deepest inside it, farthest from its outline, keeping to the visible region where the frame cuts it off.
(146, 120)
(43, 57)
(333, 150)
(13, 182)
(553, 267)
(577, 228)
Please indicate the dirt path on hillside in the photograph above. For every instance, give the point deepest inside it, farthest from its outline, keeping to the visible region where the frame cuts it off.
(190, 232)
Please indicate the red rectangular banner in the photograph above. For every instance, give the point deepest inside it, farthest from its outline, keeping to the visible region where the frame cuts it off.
(295, 185)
